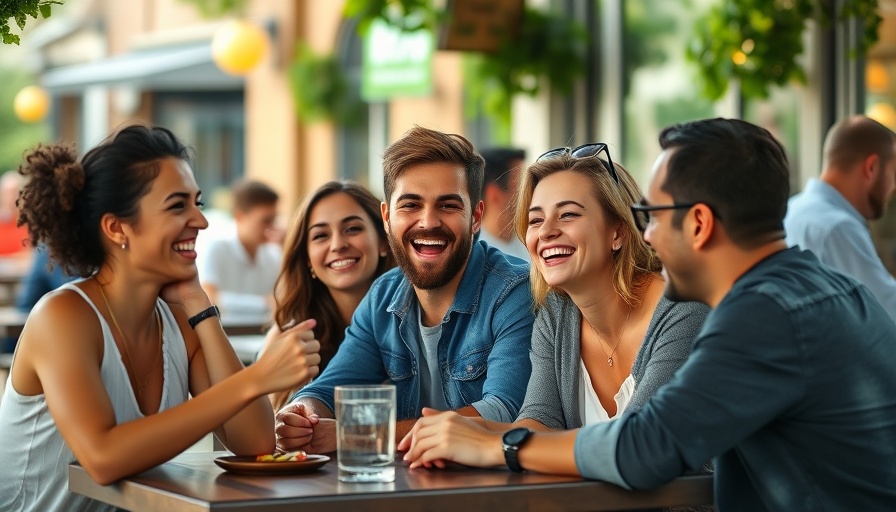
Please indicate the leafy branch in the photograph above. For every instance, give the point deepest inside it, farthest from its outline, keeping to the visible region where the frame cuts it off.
(218, 8)
(19, 11)
(758, 41)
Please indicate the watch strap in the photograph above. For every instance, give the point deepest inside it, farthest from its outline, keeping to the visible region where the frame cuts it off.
(202, 315)
(512, 442)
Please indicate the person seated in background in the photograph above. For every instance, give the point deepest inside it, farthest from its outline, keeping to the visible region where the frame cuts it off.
(502, 171)
(334, 250)
(451, 326)
(238, 272)
(41, 278)
(13, 237)
(604, 338)
(790, 382)
(830, 216)
(105, 366)
(44, 276)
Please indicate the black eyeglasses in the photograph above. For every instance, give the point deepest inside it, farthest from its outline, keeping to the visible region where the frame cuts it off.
(585, 151)
(641, 212)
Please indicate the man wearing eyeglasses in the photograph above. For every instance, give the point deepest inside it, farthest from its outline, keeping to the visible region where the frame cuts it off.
(830, 216)
(789, 388)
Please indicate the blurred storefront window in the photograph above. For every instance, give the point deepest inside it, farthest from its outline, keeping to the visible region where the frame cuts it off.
(661, 87)
(212, 122)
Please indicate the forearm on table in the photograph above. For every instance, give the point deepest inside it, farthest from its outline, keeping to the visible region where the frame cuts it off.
(221, 362)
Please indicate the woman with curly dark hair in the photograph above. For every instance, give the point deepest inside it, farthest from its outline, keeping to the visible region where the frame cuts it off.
(104, 366)
(335, 249)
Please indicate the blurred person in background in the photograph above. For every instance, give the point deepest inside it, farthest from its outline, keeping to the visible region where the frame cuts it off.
(830, 216)
(105, 366)
(335, 249)
(13, 238)
(238, 271)
(502, 171)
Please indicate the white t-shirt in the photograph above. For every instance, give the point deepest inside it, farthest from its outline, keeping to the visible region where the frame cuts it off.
(243, 285)
(512, 247)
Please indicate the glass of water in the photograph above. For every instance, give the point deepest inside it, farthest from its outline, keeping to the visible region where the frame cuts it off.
(365, 433)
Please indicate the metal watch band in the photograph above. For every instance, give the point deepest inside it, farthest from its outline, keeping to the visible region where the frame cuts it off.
(202, 315)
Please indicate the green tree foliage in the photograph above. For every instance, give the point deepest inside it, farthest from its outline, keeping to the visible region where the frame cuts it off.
(408, 15)
(19, 11)
(548, 49)
(218, 8)
(15, 136)
(758, 41)
(320, 89)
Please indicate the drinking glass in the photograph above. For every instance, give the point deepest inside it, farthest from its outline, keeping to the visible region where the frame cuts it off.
(365, 433)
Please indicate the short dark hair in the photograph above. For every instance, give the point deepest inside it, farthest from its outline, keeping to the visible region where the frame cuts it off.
(63, 200)
(498, 163)
(421, 146)
(736, 168)
(248, 194)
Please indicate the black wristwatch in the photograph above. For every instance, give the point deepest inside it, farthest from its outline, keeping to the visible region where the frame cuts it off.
(204, 314)
(513, 440)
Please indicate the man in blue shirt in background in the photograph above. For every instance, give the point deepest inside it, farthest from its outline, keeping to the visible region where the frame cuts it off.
(830, 217)
(451, 326)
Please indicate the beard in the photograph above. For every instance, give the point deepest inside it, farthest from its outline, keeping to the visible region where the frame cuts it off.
(675, 292)
(430, 275)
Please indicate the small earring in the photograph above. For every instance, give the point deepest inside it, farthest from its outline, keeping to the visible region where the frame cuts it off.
(124, 246)
(313, 275)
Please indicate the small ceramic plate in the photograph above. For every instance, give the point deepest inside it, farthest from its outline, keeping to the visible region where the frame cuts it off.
(247, 465)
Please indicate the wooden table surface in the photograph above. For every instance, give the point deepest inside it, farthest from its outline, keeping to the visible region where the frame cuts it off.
(192, 482)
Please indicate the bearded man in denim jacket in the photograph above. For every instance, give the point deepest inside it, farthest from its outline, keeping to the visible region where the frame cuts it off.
(451, 326)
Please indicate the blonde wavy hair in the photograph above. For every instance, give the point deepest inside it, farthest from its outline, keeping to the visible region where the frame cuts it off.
(635, 261)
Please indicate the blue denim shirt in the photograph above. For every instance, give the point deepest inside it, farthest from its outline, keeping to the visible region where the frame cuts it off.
(483, 350)
(790, 387)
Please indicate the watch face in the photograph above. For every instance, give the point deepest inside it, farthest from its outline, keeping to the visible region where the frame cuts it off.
(516, 436)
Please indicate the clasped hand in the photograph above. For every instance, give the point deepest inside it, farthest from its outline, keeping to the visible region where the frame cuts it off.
(439, 437)
(299, 429)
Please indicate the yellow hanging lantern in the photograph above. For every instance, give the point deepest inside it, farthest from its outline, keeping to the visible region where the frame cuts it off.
(31, 104)
(238, 46)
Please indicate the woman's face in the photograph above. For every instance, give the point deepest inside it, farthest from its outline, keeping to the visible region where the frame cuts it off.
(344, 248)
(163, 239)
(568, 237)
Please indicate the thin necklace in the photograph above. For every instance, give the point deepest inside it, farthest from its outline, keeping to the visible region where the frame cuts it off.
(601, 342)
(124, 341)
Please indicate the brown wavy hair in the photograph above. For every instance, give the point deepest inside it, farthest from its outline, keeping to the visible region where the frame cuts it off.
(298, 296)
(635, 261)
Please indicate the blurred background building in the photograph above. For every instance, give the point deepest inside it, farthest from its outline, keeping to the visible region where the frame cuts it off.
(326, 99)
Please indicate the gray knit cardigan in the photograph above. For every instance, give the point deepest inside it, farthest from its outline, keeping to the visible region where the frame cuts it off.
(552, 397)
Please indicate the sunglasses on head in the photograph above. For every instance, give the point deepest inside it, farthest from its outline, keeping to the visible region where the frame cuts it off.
(585, 151)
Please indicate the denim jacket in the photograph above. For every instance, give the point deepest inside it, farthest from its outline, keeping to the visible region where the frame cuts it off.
(483, 350)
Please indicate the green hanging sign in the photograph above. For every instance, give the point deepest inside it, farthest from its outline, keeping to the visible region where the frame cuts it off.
(396, 63)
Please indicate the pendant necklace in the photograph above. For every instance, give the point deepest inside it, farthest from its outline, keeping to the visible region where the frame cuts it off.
(124, 341)
(601, 343)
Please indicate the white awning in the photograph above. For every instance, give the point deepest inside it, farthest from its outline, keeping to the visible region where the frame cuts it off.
(181, 68)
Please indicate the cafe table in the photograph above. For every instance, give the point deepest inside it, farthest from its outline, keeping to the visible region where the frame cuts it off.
(192, 482)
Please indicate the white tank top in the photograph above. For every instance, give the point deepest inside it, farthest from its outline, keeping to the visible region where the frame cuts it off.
(34, 458)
